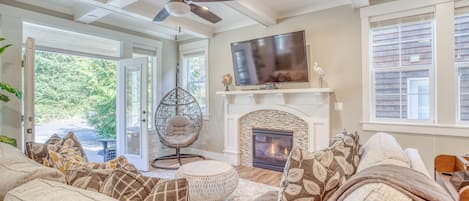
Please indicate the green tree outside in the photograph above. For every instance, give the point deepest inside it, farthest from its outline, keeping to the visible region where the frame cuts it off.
(68, 86)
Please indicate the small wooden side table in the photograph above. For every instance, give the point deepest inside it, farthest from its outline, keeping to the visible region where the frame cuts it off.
(445, 166)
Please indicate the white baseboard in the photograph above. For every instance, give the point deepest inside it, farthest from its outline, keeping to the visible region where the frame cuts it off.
(205, 153)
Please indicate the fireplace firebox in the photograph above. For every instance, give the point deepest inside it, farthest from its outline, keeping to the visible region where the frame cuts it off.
(271, 148)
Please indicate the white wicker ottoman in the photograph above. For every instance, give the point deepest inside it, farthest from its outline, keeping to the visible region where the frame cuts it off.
(209, 180)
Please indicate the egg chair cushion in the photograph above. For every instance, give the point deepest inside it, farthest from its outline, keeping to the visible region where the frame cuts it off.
(180, 132)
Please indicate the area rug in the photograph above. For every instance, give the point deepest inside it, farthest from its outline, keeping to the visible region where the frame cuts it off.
(246, 190)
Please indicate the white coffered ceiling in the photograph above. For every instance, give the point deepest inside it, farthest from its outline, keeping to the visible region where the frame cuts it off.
(137, 15)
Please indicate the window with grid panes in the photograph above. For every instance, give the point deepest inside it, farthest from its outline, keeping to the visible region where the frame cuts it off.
(194, 77)
(462, 63)
(401, 64)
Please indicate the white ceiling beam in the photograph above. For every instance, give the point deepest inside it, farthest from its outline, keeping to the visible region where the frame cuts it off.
(360, 3)
(88, 14)
(254, 10)
(188, 26)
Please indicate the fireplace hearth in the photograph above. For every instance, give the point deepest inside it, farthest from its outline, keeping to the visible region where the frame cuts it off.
(271, 148)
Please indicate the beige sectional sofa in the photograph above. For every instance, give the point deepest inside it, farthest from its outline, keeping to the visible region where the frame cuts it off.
(25, 179)
(403, 176)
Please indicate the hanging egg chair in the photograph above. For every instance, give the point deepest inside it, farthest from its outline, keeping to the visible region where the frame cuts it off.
(178, 121)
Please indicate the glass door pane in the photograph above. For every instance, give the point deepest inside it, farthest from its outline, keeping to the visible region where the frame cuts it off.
(133, 108)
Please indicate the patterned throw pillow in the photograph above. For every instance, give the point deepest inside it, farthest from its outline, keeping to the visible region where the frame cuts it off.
(88, 179)
(39, 151)
(71, 141)
(36, 151)
(169, 190)
(352, 148)
(119, 162)
(313, 176)
(53, 139)
(131, 186)
(66, 159)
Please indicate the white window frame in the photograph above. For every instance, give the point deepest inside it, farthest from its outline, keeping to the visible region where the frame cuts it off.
(372, 71)
(465, 5)
(445, 79)
(193, 48)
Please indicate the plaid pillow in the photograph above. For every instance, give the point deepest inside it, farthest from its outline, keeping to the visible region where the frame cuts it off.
(131, 186)
(169, 190)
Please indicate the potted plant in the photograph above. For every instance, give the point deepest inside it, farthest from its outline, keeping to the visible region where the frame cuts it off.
(4, 98)
(5, 86)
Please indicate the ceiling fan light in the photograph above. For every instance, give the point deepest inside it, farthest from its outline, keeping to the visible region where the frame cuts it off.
(176, 8)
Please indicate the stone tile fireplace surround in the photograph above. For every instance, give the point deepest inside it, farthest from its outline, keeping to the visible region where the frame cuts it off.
(306, 112)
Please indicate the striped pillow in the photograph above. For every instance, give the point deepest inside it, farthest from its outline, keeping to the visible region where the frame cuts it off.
(169, 190)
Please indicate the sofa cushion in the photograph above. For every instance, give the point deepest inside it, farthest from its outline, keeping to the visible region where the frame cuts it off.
(43, 190)
(17, 169)
(382, 148)
(352, 146)
(416, 161)
(169, 190)
(314, 176)
(131, 186)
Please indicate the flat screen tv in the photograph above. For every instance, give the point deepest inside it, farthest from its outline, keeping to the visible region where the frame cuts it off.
(273, 59)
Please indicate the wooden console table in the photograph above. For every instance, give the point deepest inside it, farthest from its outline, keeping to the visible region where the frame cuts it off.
(445, 166)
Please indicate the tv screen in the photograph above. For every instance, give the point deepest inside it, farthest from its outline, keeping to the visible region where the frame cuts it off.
(273, 59)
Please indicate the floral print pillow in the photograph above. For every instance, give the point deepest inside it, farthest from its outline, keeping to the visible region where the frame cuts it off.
(314, 176)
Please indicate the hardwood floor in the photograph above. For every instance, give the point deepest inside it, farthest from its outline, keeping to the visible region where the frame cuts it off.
(258, 175)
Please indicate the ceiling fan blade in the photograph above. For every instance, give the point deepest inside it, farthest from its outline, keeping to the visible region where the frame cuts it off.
(204, 13)
(161, 16)
(208, 0)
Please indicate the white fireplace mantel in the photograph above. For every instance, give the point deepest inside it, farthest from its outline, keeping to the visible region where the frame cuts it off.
(309, 104)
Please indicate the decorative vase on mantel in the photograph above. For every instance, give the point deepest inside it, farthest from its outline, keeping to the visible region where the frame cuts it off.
(227, 81)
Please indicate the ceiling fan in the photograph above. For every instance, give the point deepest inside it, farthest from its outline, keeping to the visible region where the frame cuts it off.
(182, 7)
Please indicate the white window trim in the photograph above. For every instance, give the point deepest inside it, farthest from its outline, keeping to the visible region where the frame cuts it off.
(445, 115)
(465, 5)
(195, 47)
(371, 87)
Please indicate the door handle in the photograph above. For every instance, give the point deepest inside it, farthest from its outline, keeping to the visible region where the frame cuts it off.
(144, 120)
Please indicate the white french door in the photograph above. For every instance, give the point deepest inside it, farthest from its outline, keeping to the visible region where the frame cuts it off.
(28, 88)
(132, 124)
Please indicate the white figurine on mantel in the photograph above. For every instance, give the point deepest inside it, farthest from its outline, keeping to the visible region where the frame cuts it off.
(320, 72)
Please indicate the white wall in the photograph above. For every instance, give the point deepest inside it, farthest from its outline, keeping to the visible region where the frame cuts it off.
(334, 37)
(11, 19)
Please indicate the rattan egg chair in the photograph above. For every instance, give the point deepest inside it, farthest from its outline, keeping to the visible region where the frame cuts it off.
(178, 121)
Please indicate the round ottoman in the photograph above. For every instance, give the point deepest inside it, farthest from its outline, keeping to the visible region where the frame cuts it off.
(209, 180)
